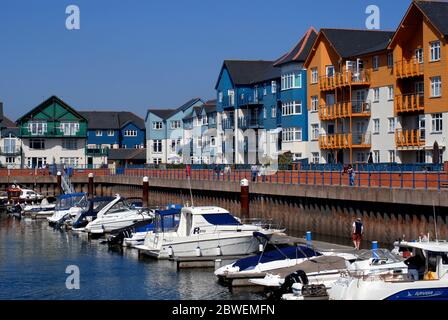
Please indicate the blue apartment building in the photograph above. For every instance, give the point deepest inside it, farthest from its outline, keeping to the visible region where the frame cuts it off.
(262, 107)
(109, 130)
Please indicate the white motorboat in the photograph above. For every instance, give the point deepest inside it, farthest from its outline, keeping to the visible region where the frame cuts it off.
(118, 214)
(203, 232)
(67, 207)
(42, 210)
(423, 276)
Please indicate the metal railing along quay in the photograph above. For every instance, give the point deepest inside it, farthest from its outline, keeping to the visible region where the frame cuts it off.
(364, 177)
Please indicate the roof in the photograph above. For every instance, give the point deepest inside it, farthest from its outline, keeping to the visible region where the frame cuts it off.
(437, 13)
(52, 99)
(163, 113)
(127, 154)
(248, 72)
(300, 52)
(9, 127)
(8, 123)
(210, 106)
(349, 43)
(188, 104)
(427, 246)
(112, 119)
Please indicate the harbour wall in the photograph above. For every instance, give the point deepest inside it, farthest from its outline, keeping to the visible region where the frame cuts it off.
(388, 214)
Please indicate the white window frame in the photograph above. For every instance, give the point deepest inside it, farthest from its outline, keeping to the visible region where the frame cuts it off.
(38, 128)
(314, 104)
(292, 108)
(434, 51)
(390, 60)
(99, 133)
(157, 125)
(155, 146)
(376, 95)
(274, 87)
(314, 75)
(436, 87)
(419, 55)
(273, 112)
(390, 93)
(315, 157)
(376, 126)
(376, 63)
(110, 133)
(437, 123)
(392, 123)
(315, 131)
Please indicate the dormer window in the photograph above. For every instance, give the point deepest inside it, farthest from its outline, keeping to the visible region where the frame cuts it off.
(37, 128)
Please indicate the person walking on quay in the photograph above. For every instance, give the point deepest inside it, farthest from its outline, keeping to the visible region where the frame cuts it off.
(358, 233)
(254, 172)
(227, 172)
(351, 175)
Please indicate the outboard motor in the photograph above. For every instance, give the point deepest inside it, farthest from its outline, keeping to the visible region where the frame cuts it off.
(296, 277)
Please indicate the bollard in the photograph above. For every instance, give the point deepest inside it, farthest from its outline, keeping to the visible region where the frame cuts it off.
(59, 183)
(145, 192)
(90, 189)
(309, 239)
(375, 250)
(244, 198)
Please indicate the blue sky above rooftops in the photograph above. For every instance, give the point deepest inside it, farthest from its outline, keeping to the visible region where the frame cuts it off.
(131, 55)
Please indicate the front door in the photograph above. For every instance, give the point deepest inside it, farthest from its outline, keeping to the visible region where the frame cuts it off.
(90, 162)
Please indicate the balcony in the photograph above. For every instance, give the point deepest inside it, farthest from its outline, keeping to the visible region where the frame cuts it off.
(340, 80)
(250, 122)
(345, 109)
(408, 68)
(345, 141)
(228, 123)
(12, 151)
(409, 103)
(409, 138)
(227, 102)
(250, 100)
(54, 130)
(97, 152)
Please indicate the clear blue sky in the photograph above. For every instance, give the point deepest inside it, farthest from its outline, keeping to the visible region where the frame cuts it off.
(131, 55)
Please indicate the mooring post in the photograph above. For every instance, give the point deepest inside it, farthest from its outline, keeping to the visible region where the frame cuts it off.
(90, 189)
(59, 182)
(145, 192)
(244, 198)
(375, 249)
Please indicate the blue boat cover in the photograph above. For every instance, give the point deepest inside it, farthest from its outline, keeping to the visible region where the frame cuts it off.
(169, 212)
(221, 219)
(293, 252)
(71, 195)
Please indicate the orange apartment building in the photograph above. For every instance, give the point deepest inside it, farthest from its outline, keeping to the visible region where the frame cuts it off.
(350, 92)
(421, 73)
(380, 94)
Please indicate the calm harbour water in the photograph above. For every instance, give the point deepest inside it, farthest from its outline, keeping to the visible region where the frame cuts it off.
(34, 258)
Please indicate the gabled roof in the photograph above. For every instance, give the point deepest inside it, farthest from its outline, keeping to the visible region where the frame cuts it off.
(112, 119)
(49, 101)
(248, 72)
(162, 113)
(349, 43)
(8, 123)
(210, 106)
(301, 50)
(436, 12)
(168, 113)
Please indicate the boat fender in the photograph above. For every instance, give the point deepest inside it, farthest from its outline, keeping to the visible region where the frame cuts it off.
(170, 251)
(218, 251)
(261, 247)
(198, 252)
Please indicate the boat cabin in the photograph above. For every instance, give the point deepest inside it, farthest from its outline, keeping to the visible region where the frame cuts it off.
(427, 260)
(67, 201)
(200, 220)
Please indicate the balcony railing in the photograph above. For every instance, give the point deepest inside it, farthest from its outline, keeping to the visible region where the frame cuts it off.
(250, 122)
(408, 68)
(97, 152)
(409, 138)
(12, 151)
(347, 78)
(54, 130)
(250, 99)
(409, 103)
(345, 141)
(345, 109)
(228, 123)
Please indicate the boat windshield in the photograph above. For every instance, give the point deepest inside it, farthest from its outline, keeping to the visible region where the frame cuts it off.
(221, 219)
(122, 205)
(66, 202)
(166, 221)
(383, 255)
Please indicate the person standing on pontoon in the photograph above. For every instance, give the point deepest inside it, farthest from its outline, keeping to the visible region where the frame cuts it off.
(358, 233)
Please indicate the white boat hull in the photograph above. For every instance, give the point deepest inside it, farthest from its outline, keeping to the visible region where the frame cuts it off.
(210, 245)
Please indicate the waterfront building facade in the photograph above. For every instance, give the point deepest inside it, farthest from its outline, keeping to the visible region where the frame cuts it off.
(351, 96)
(10, 144)
(420, 75)
(112, 130)
(53, 133)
